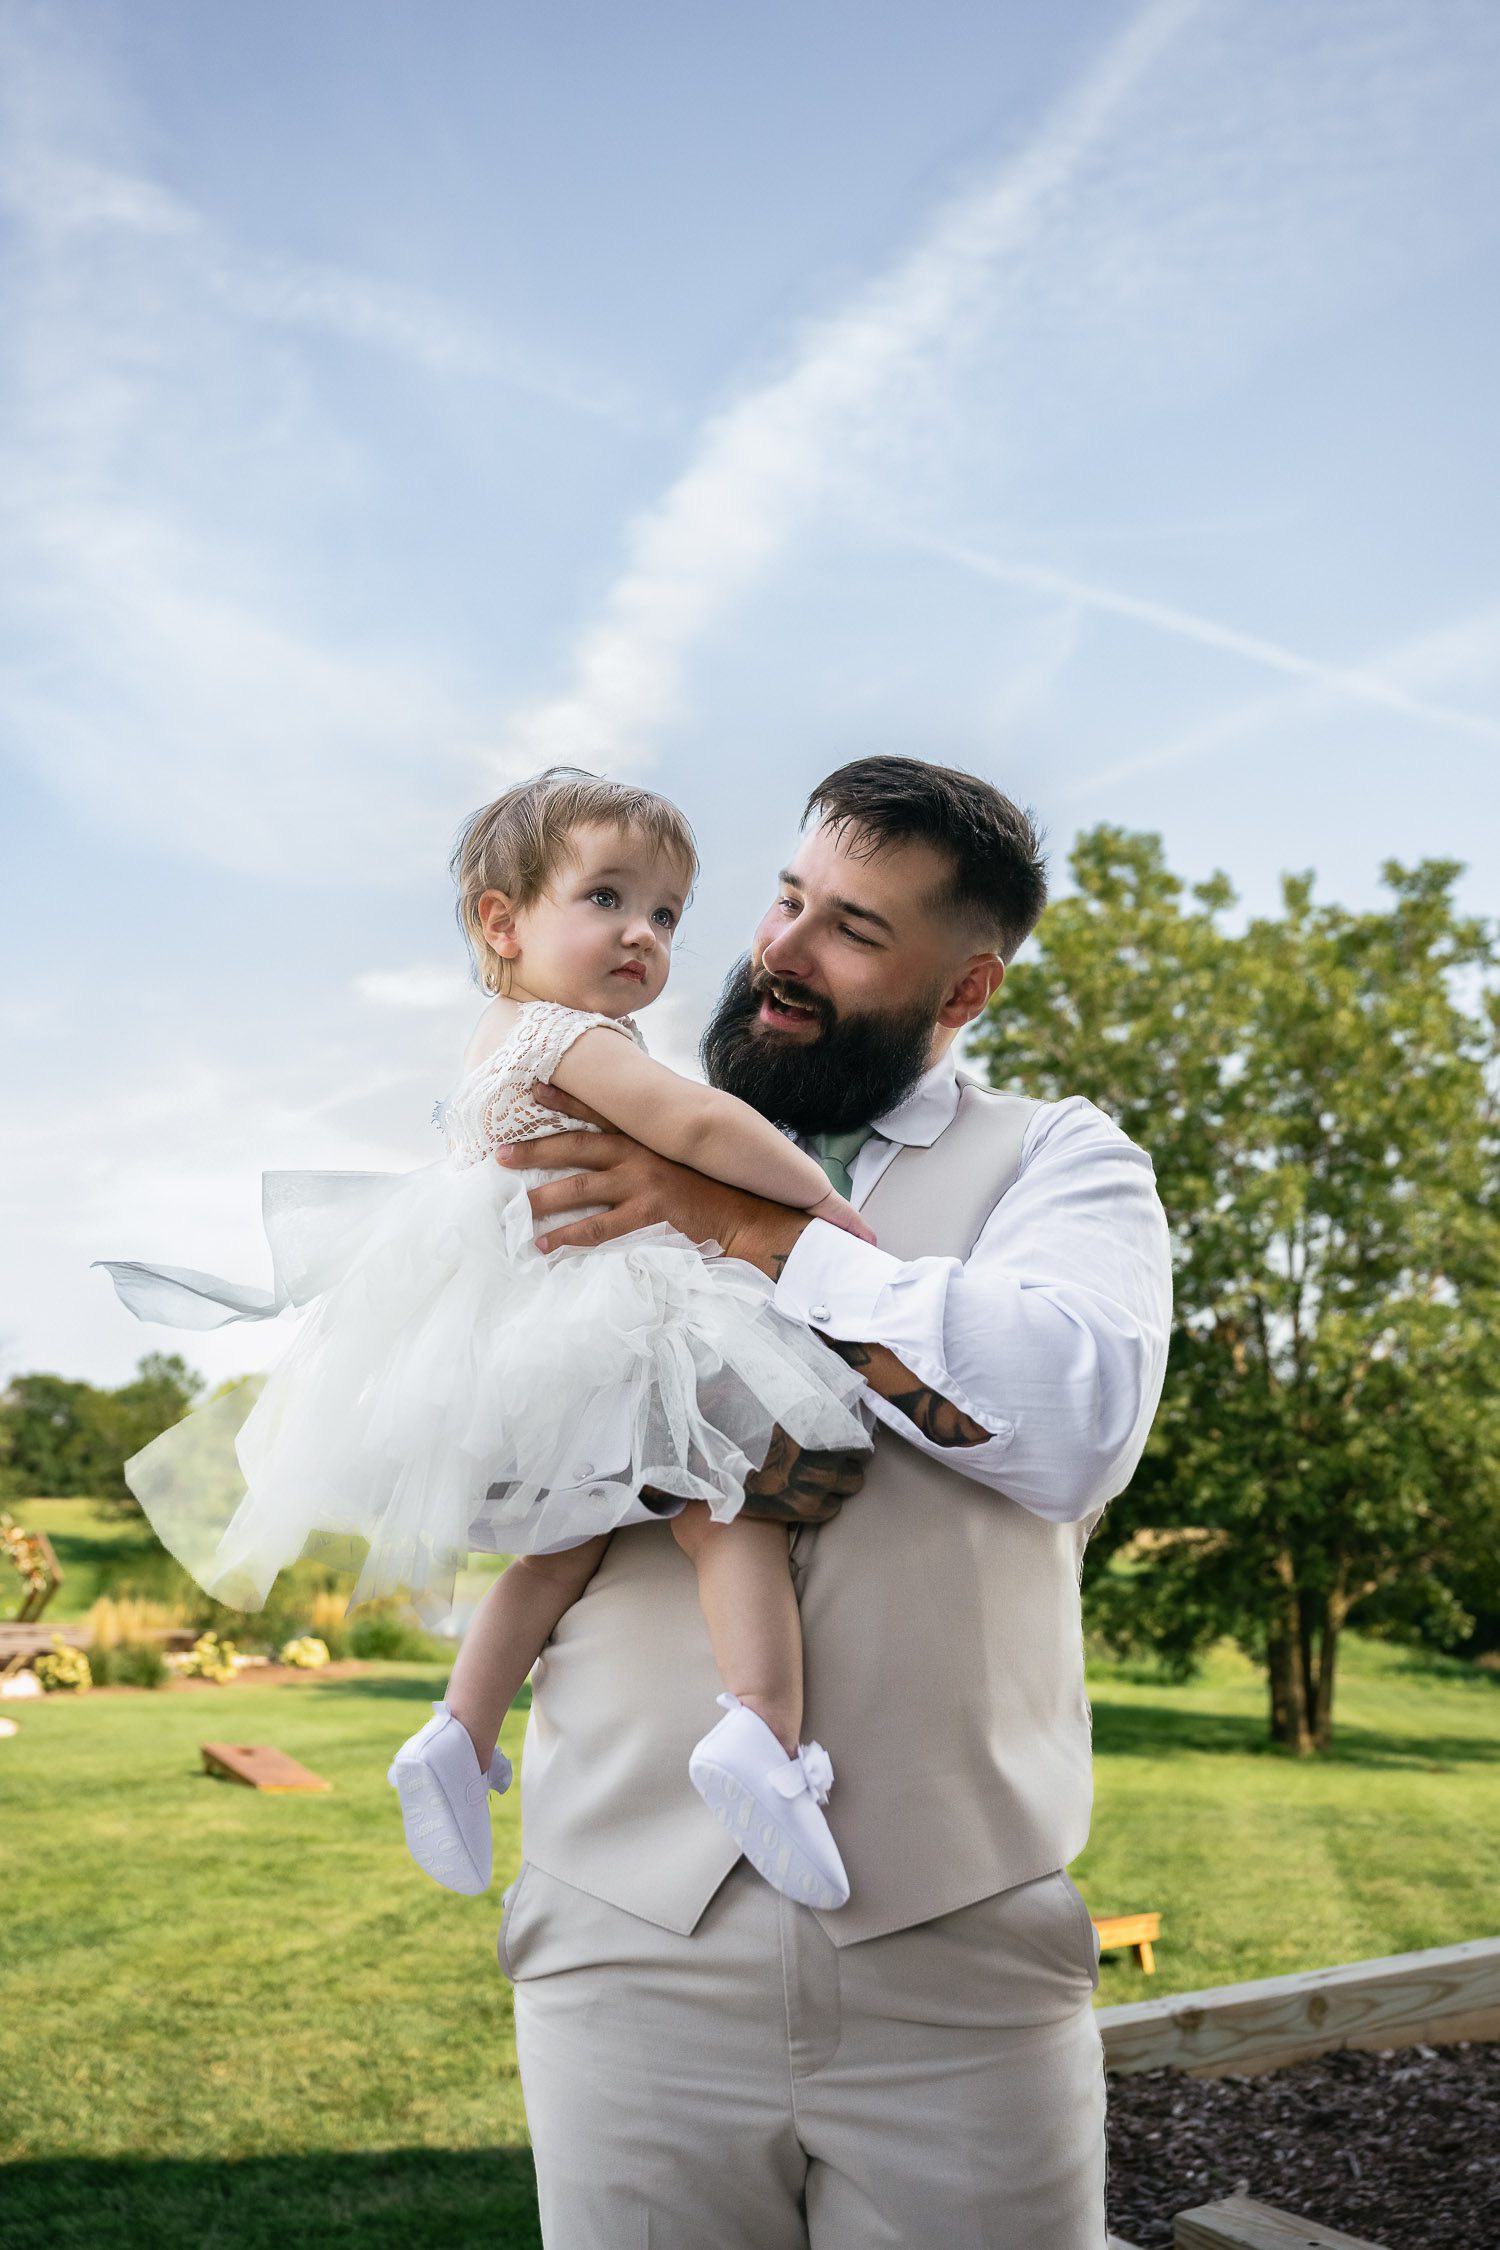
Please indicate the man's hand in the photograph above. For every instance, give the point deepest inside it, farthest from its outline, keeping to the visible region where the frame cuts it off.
(642, 1189)
(792, 1486)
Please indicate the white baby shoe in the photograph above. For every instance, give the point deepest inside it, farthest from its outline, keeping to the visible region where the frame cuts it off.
(769, 1803)
(445, 1802)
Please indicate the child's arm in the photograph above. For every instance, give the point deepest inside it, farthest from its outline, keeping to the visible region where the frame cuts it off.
(692, 1124)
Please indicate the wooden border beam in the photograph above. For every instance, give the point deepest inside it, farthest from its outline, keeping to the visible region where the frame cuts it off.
(1449, 1992)
(1240, 2223)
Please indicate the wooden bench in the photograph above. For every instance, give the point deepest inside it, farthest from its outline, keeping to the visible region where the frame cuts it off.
(1240, 2223)
(1138, 1931)
(259, 1767)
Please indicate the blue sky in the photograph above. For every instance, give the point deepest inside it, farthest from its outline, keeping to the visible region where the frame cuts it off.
(394, 399)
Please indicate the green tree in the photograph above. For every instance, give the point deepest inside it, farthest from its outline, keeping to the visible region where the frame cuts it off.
(59, 1437)
(1317, 1091)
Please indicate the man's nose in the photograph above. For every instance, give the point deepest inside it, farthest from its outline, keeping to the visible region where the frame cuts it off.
(787, 955)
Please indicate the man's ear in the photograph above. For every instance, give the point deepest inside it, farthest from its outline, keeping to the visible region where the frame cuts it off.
(972, 989)
(497, 919)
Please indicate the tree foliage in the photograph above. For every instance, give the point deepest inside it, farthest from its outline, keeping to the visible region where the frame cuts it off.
(59, 1437)
(1318, 1092)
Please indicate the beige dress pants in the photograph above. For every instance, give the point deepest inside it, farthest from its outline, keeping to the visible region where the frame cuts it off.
(754, 2087)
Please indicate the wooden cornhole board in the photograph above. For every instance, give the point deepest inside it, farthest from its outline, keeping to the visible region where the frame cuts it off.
(259, 1767)
(1138, 1931)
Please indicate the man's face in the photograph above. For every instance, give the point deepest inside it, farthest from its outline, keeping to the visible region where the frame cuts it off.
(849, 936)
(849, 993)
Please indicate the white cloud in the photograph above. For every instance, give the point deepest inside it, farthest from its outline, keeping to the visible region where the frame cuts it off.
(427, 988)
(180, 661)
(758, 466)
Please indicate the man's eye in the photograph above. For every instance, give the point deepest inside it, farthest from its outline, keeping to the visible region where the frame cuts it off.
(853, 935)
(789, 903)
(605, 897)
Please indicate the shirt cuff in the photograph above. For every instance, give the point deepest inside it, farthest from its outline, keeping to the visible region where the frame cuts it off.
(833, 1281)
(851, 1290)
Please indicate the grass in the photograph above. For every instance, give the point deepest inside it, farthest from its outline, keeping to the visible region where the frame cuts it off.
(1263, 1864)
(246, 2016)
(250, 2019)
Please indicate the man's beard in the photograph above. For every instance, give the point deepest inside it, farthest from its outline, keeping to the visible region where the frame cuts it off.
(857, 1069)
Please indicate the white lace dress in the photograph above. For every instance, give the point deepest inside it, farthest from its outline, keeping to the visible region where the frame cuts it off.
(428, 1400)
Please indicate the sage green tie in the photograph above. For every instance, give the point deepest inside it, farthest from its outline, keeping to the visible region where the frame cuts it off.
(836, 1153)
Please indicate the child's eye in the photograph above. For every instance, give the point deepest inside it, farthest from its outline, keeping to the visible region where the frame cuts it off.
(604, 897)
(666, 917)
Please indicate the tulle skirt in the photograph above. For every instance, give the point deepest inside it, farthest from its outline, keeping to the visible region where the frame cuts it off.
(428, 1402)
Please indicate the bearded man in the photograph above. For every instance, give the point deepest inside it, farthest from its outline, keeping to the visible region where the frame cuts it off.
(706, 2064)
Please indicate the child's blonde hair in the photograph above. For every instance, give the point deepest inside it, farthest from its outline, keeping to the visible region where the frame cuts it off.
(518, 843)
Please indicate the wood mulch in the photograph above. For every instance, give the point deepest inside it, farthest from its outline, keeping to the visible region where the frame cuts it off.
(1399, 2147)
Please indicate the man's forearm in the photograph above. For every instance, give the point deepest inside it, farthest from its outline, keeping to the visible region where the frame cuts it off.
(937, 1418)
(768, 1242)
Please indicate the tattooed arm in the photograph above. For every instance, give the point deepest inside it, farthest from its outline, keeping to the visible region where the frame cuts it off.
(793, 1486)
(938, 1419)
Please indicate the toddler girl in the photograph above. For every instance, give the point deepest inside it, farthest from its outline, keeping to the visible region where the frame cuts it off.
(430, 1399)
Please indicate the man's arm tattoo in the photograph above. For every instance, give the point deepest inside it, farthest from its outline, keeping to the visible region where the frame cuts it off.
(938, 1419)
(794, 1486)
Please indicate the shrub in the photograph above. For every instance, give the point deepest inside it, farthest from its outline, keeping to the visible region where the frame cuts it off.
(381, 1630)
(129, 1664)
(308, 1654)
(209, 1658)
(295, 1602)
(66, 1669)
(129, 1619)
(328, 1618)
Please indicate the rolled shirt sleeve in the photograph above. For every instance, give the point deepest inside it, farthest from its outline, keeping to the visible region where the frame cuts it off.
(1052, 1334)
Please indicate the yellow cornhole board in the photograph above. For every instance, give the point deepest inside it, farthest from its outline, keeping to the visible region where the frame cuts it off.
(259, 1767)
(1137, 1931)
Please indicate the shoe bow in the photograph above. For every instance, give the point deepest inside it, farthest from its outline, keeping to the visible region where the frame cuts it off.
(811, 1769)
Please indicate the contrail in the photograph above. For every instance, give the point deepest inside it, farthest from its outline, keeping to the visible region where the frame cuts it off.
(1184, 624)
(1445, 649)
(757, 466)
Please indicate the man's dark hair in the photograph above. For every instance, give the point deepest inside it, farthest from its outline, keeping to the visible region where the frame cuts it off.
(999, 881)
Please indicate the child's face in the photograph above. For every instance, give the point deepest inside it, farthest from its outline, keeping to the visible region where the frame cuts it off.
(600, 936)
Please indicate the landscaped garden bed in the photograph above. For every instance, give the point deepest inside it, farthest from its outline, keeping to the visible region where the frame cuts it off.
(1400, 2147)
(253, 1675)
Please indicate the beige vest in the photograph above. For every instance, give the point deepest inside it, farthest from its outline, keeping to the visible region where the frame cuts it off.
(944, 1656)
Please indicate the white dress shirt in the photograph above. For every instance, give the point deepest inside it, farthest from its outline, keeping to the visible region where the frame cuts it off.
(1052, 1333)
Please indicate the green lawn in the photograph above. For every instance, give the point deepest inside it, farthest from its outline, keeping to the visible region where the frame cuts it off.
(249, 2019)
(241, 2017)
(1262, 1864)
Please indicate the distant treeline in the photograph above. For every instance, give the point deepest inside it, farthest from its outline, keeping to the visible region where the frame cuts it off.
(59, 1437)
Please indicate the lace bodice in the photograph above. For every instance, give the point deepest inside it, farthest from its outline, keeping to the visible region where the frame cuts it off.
(492, 1103)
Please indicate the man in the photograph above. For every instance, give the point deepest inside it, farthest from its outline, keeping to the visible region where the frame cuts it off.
(707, 2065)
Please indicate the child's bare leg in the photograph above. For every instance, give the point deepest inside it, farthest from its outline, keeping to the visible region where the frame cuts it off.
(750, 1607)
(507, 1634)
